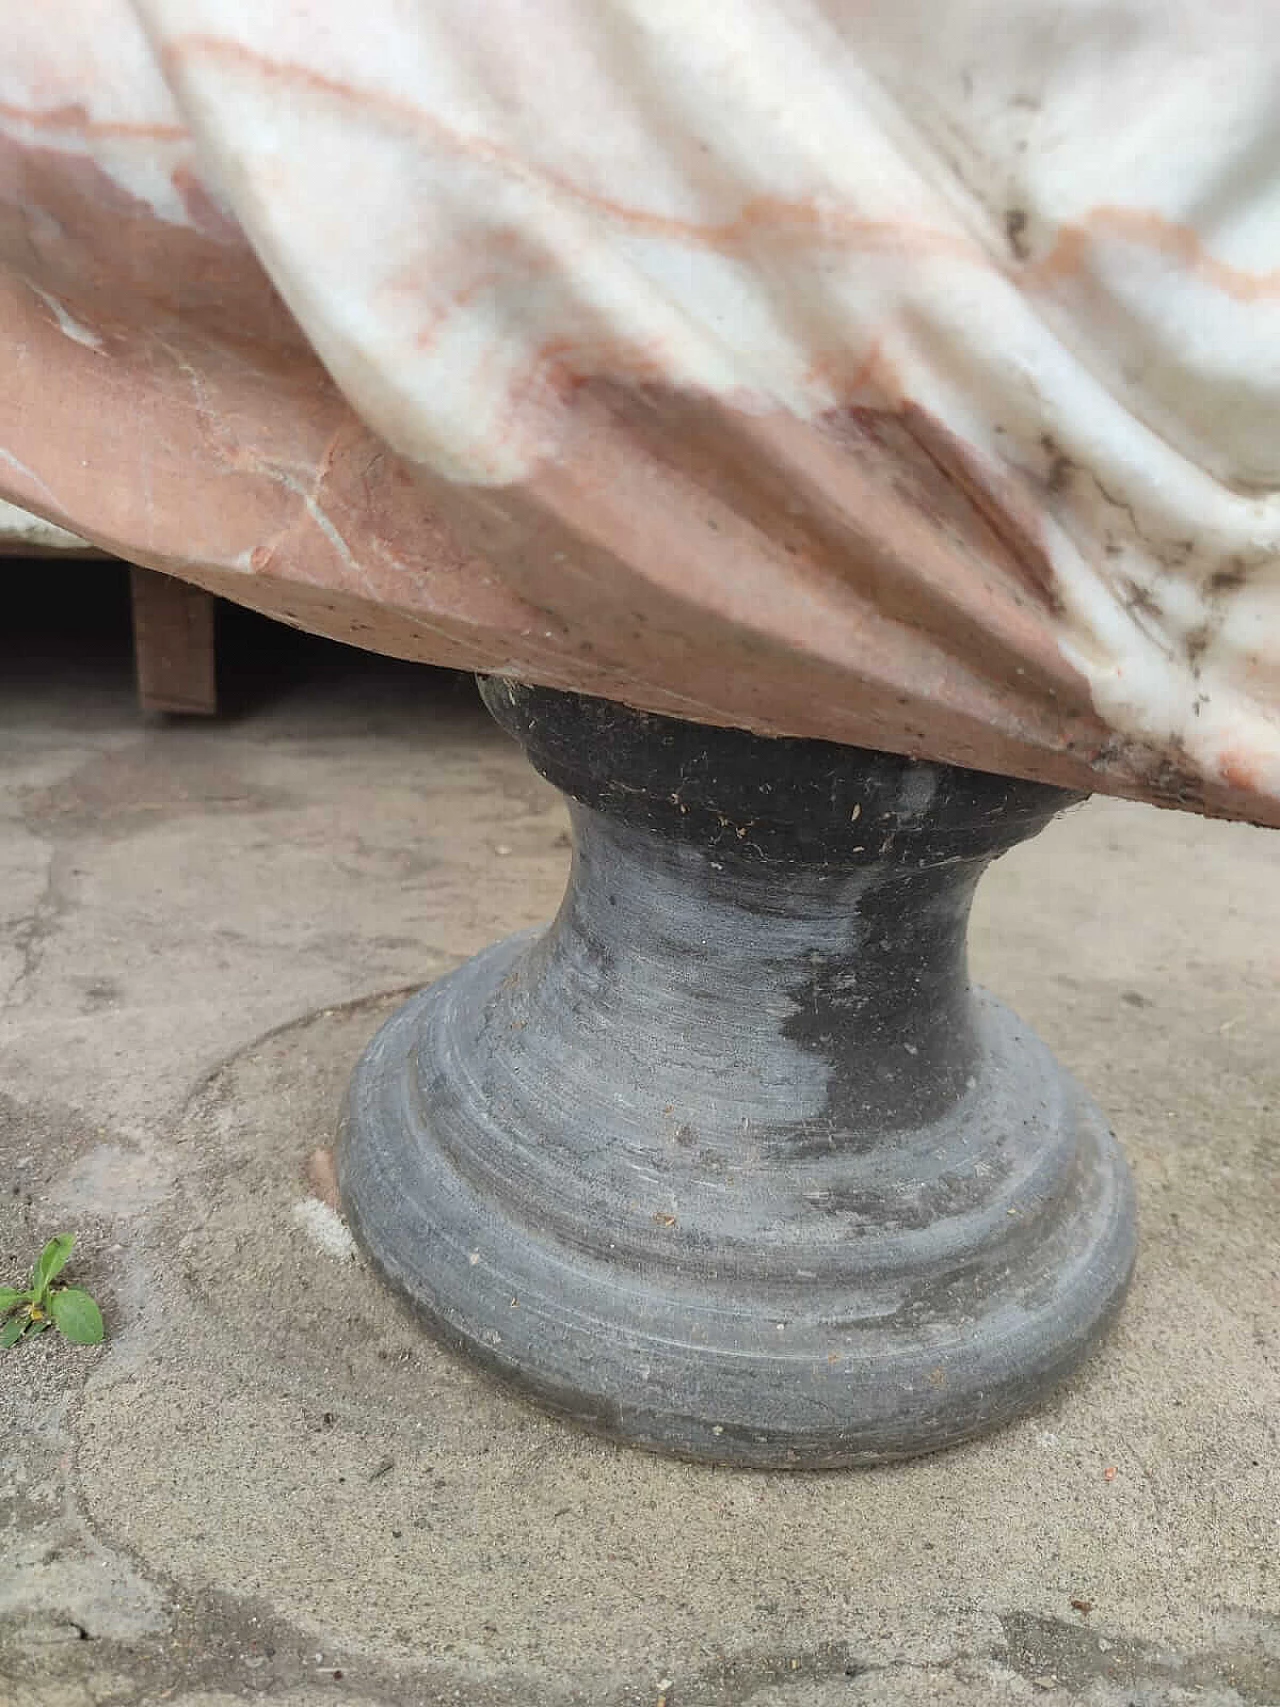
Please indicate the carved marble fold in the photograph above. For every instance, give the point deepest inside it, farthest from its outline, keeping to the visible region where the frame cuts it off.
(885, 372)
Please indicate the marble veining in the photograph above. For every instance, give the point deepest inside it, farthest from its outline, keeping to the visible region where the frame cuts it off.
(891, 373)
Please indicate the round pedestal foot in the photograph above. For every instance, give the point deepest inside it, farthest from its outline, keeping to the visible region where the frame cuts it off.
(732, 1162)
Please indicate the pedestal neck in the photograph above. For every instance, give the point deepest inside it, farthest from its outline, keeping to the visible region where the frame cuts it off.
(793, 911)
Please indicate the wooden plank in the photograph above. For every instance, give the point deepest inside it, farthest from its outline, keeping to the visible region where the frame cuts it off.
(173, 645)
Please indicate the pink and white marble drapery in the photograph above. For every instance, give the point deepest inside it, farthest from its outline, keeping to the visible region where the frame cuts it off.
(891, 372)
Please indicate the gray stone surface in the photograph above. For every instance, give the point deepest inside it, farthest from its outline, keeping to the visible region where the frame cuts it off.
(731, 1161)
(268, 1476)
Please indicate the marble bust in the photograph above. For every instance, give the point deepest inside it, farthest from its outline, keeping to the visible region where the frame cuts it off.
(886, 373)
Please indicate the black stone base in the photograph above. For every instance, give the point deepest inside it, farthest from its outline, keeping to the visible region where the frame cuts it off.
(732, 1162)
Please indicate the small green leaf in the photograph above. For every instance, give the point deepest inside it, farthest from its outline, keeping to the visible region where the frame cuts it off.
(10, 1296)
(13, 1331)
(36, 1326)
(77, 1316)
(52, 1260)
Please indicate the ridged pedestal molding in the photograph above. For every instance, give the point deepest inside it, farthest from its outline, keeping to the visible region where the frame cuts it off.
(732, 1161)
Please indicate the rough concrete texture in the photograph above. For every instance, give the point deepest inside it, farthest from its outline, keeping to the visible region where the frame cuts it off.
(269, 1485)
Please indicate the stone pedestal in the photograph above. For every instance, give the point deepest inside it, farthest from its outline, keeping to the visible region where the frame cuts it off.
(732, 1161)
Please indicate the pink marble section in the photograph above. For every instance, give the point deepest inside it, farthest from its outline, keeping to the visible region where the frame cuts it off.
(888, 372)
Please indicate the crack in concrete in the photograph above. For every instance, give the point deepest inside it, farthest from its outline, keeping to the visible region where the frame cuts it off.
(32, 935)
(1076, 1656)
(217, 1641)
(743, 1679)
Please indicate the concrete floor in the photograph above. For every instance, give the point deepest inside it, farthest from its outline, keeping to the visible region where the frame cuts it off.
(269, 1485)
